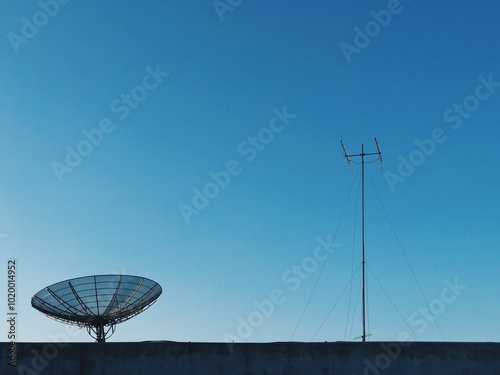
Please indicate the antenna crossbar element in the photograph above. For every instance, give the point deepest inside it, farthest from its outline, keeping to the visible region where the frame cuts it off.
(346, 155)
(360, 337)
(378, 151)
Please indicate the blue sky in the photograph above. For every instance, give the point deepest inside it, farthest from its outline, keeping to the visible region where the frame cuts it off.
(172, 93)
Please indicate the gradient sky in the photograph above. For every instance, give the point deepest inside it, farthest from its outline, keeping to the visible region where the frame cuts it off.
(411, 73)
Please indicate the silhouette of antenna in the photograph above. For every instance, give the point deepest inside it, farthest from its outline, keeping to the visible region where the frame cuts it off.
(346, 155)
(348, 158)
(378, 151)
(97, 302)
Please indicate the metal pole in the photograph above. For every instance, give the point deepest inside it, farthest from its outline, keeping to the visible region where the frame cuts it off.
(363, 338)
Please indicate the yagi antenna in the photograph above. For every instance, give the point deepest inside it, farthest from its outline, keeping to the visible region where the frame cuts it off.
(378, 151)
(346, 155)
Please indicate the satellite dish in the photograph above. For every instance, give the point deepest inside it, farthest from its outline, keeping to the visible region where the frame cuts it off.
(97, 302)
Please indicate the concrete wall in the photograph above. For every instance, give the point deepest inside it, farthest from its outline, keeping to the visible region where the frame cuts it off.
(342, 358)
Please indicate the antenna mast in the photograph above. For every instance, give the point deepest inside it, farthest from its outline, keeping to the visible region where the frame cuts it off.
(362, 155)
